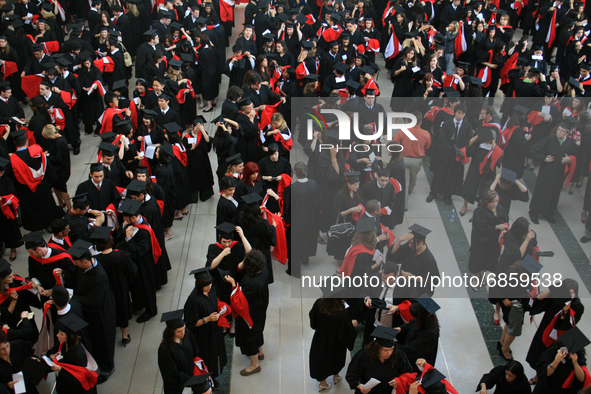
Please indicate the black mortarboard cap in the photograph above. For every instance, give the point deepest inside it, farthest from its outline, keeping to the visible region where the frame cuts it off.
(108, 149)
(234, 159)
(335, 17)
(451, 92)
(167, 148)
(151, 33)
(476, 81)
(85, 55)
(141, 170)
(149, 114)
(17, 23)
(33, 240)
(374, 66)
(399, 9)
(101, 234)
(585, 66)
(352, 84)
(365, 224)
(197, 379)
(117, 85)
(252, 198)
(173, 319)
(199, 119)
(96, 167)
(201, 20)
(283, 17)
(72, 322)
(46, 6)
(307, 44)
(226, 228)
(428, 303)
(270, 37)
(272, 55)
(340, 67)
(187, 57)
(484, 134)
(78, 249)
(492, 27)
(508, 175)
(63, 61)
(173, 127)
(218, 118)
(574, 340)
(80, 199)
(385, 336)
(574, 82)
(165, 14)
(137, 186)
(18, 135)
(418, 230)
(547, 253)
(201, 273)
(311, 78)
(430, 378)
(124, 125)
(49, 65)
(411, 34)
(301, 19)
(4, 162)
(463, 65)
(244, 101)
(5, 269)
(501, 11)
(130, 207)
(551, 93)
(353, 176)
(519, 109)
(164, 96)
(176, 26)
(176, 64)
(571, 120)
(367, 69)
(332, 291)
(522, 60)
(531, 264)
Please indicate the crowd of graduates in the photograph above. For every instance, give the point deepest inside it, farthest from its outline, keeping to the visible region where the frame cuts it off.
(74, 64)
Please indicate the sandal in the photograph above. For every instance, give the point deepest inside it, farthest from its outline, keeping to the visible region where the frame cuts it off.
(321, 240)
(322, 388)
(336, 379)
(12, 258)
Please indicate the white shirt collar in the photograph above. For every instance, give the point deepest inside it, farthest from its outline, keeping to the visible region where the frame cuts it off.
(65, 310)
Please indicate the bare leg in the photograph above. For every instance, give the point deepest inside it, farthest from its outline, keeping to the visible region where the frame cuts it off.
(261, 352)
(168, 233)
(254, 363)
(124, 332)
(178, 215)
(463, 210)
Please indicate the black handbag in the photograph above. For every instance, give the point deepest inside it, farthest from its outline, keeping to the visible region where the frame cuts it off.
(341, 230)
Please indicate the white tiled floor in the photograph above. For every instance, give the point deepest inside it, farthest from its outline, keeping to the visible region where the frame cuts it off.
(463, 356)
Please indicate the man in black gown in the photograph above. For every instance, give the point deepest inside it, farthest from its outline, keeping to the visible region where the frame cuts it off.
(101, 192)
(80, 220)
(93, 291)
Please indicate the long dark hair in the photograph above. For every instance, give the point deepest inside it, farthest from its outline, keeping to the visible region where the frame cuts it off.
(423, 319)
(520, 228)
(331, 306)
(251, 214)
(374, 348)
(168, 336)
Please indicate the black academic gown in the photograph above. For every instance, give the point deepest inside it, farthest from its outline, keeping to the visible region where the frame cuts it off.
(199, 166)
(385, 195)
(10, 234)
(43, 271)
(99, 199)
(37, 208)
(150, 210)
(121, 270)
(94, 292)
(554, 383)
(66, 382)
(448, 174)
(362, 368)
(515, 152)
(473, 187)
(78, 227)
(176, 364)
(166, 180)
(248, 138)
(261, 235)
(256, 290)
(397, 171)
(511, 251)
(333, 335)
(20, 351)
(228, 266)
(418, 343)
(496, 379)
(423, 265)
(551, 175)
(209, 336)
(226, 211)
(305, 212)
(143, 290)
(268, 167)
(484, 244)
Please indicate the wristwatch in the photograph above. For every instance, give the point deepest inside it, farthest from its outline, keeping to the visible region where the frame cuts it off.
(203, 319)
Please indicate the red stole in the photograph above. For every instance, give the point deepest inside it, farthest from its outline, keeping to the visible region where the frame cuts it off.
(546, 338)
(267, 113)
(10, 211)
(231, 245)
(287, 144)
(26, 286)
(85, 376)
(8, 68)
(156, 250)
(107, 119)
(53, 258)
(240, 306)
(197, 369)
(223, 321)
(26, 175)
(450, 82)
(506, 136)
(180, 155)
(280, 250)
(484, 72)
(571, 378)
(55, 245)
(569, 169)
(509, 65)
(551, 35)
(352, 253)
(465, 159)
(494, 156)
(460, 44)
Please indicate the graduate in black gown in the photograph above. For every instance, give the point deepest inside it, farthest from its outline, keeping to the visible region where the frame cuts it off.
(176, 356)
(346, 202)
(202, 312)
(71, 352)
(553, 152)
(14, 297)
(508, 188)
(13, 355)
(166, 180)
(10, 234)
(382, 190)
(508, 379)
(198, 145)
(250, 182)
(37, 206)
(248, 132)
(334, 333)
(271, 170)
(227, 208)
(101, 191)
(82, 219)
(150, 210)
(260, 233)
(253, 280)
(515, 143)
(381, 360)
(93, 291)
(121, 270)
(419, 338)
(415, 258)
(302, 205)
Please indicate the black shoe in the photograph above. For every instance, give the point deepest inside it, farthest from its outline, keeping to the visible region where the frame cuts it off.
(76, 151)
(430, 197)
(127, 340)
(462, 213)
(145, 317)
(550, 219)
(288, 272)
(447, 200)
(584, 239)
(534, 219)
(102, 379)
